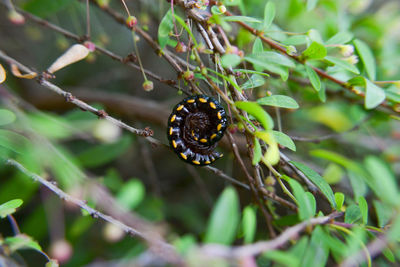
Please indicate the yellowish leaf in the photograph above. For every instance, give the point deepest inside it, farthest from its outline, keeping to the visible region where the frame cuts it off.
(17, 73)
(74, 54)
(2, 74)
(272, 155)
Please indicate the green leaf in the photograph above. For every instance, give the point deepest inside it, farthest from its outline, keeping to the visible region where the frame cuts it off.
(254, 81)
(283, 258)
(6, 117)
(249, 224)
(362, 203)
(9, 207)
(14, 141)
(383, 213)
(274, 68)
(358, 183)
(304, 201)
(314, 78)
(374, 95)
(300, 248)
(44, 8)
(273, 57)
(257, 46)
(317, 251)
(296, 40)
(333, 174)
(242, 19)
(394, 231)
(21, 241)
(51, 126)
(252, 72)
(166, 26)
(281, 101)
(184, 244)
(224, 219)
(357, 81)
(315, 36)
(389, 255)
(284, 140)
(342, 64)
(104, 153)
(384, 182)
(131, 194)
(52, 263)
(339, 159)
(340, 38)
(318, 181)
(257, 112)
(367, 58)
(353, 214)
(311, 4)
(314, 51)
(230, 60)
(257, 153)
(339, 199)
(269, 15)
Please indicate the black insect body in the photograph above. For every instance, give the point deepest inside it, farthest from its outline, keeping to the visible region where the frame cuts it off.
(195, 126)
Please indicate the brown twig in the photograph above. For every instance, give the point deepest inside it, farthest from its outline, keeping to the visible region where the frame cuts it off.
(251, 180)
(127, 61)
(79, 103)
(154, 45)
(95, 213)
(374, 248)
(262, 246)
(283, 50)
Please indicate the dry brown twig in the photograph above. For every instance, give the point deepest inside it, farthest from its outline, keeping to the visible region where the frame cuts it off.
(165, 250)
(262, 246)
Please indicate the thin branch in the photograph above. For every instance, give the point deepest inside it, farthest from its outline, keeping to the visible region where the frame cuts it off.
(127, 61)
(153, 44)
(79, 103)
(374, 249)
(14, 224)
(283, 50)
(226, 177)
(82, 204)
(251, 180)
(262, 246)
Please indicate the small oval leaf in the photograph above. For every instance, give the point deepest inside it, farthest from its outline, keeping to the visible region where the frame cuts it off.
(280, 101)
(224, 219)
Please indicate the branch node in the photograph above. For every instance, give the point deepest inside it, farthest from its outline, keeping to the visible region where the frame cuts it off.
(101, 114)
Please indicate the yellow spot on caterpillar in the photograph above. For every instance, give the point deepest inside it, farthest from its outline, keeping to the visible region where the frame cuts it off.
(195, 138)
(190, 101)
(213, 136)
(213, 106)
(183, 156)
(207, 162)
(180, 107)
(174, 144)
(196, 162)
(192, 133)
(203, 100)
(173, 118)
(219, 126)
(219, 115)
(203, 140)
(170, 130)
(221, 155)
